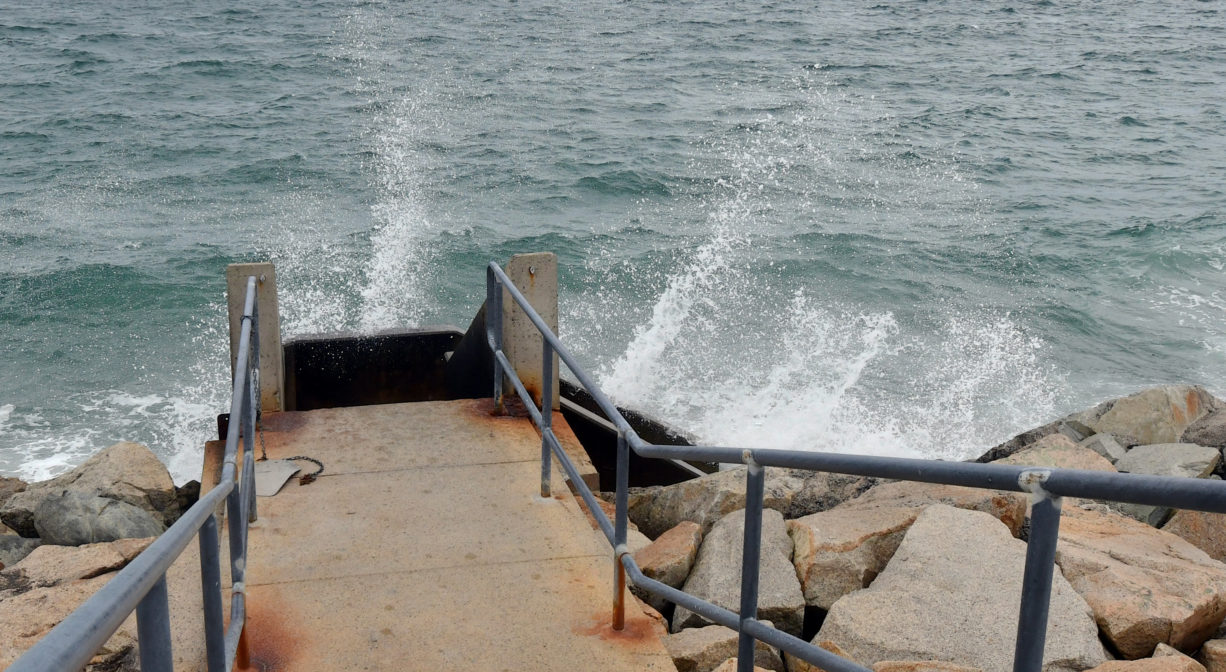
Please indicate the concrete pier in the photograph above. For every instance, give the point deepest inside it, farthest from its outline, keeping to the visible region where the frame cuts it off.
(425, 545)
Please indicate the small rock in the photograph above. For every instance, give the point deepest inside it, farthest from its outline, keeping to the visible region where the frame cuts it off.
(669, 559)
(952, 592)
(75, 518)
(1166, 650)
(703, 649)
(1165, 459)
(1007, 507)
(1146, 586)
(1213, 655)
(842, 550)
(716, 576)
(1206, 531)
(14, 547)
(1105, 445)
(1170, 459)
(1208, 431)
(1159, 664)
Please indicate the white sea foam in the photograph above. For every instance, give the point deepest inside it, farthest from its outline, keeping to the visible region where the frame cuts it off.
(6, 410)
(725, 353)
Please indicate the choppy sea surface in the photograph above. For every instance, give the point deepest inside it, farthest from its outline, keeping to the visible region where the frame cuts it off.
(908, 228)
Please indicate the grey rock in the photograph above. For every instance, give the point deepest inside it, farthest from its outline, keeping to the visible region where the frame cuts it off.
(73, 518)
(13, 548)
(18, 513)
(1019, 442)
(1105, 445)
(1171, 459)
(1208, 431)
(1165, 459)
(705, 649)
(952, 593)
(706, 499)
(822, 491)
(125, 472)
(716, 576)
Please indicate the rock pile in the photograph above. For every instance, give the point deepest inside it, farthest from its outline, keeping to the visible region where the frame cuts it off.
(907, 576)
(63, 539)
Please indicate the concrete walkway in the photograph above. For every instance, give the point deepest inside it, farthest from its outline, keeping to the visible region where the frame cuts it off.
(425, 546)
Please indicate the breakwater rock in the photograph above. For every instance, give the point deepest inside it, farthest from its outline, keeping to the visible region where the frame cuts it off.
(901, 575)
(63, 539)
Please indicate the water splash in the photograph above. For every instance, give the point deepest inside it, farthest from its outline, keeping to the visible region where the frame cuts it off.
(727, 355)
(399, 273)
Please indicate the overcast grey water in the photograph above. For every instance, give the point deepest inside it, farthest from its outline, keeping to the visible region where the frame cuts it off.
(910, 228)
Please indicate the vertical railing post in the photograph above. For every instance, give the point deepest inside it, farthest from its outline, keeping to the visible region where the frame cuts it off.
(546, 415)
(493, 326)
(153, 629)
(255, 344)
(1036, 582)
(252, 399)
(620, 525)
(751, 555)
(210, 585)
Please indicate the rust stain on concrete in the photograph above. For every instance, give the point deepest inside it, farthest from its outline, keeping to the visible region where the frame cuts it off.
(273, 643)
(639, 633)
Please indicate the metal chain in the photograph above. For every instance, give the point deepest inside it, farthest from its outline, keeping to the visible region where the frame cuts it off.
(259, 431)
(307, 479)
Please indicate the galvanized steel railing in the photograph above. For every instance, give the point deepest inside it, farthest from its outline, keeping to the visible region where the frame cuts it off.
(141, 586)
(1047, 487)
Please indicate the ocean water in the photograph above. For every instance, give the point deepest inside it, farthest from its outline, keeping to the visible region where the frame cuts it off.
(910, 228)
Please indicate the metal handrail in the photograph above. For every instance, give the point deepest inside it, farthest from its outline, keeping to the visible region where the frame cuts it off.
(141, 585)
(1047, 487)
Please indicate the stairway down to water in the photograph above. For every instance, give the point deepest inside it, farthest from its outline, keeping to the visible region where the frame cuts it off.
(425, 545)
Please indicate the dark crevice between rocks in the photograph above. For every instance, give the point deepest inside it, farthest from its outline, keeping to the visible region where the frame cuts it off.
(814, 617)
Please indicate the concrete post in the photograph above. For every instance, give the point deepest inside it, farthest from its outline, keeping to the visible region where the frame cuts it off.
(536, 277)
(271, 372)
